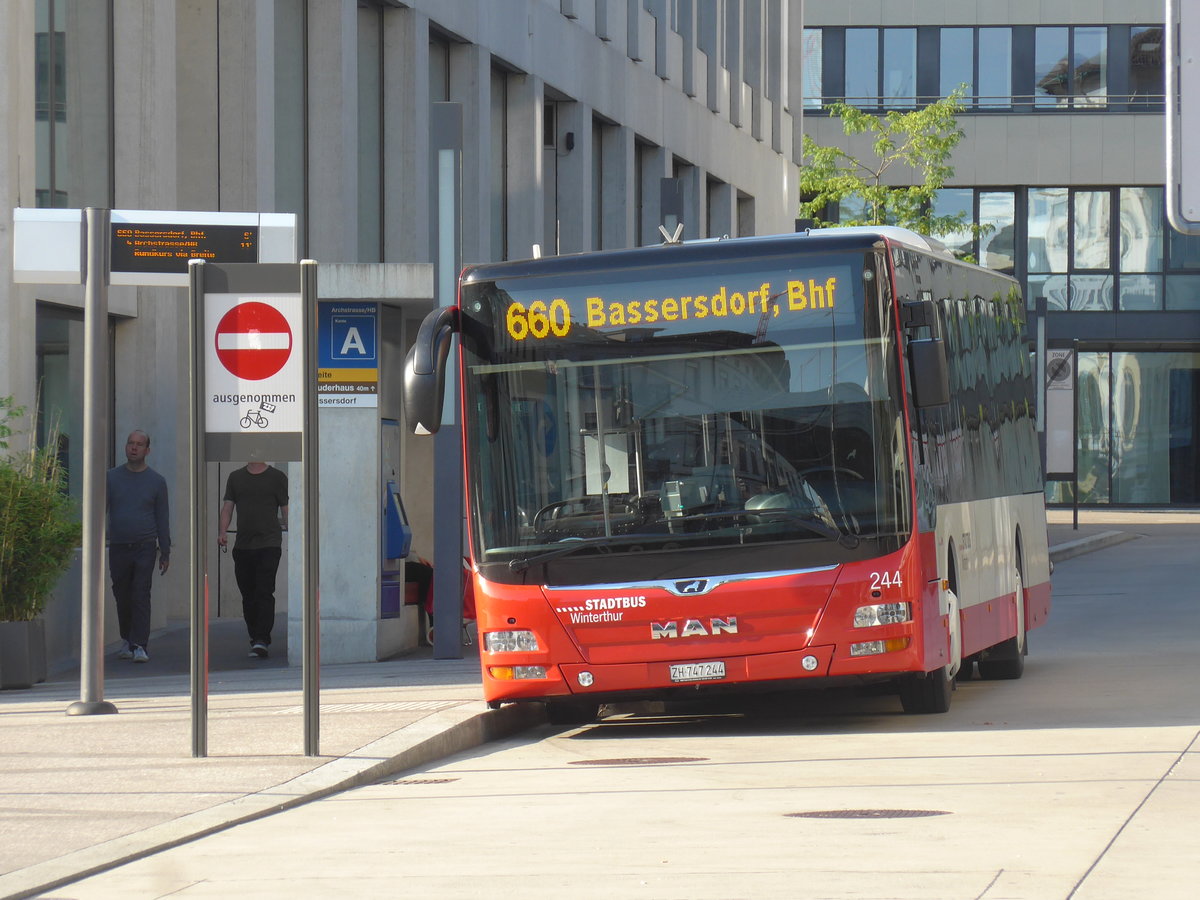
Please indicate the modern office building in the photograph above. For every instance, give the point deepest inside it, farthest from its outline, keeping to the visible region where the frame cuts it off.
(1063, 156)
(573, 113)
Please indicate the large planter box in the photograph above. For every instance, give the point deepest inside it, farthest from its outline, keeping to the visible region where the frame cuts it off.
(22, 654)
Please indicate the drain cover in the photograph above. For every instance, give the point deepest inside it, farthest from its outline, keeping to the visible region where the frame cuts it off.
(639, 761)
(867, 814)
(407, 781)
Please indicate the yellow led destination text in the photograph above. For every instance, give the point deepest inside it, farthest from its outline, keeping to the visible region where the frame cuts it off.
(541, 319)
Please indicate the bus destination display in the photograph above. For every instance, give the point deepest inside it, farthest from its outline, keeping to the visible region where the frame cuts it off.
(139, 247)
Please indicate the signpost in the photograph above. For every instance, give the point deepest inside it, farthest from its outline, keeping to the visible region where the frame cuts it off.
(152, 249)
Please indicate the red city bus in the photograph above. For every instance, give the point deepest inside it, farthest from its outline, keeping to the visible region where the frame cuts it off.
(725, 465)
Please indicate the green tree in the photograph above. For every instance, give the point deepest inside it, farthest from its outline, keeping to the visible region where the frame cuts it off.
(920, 141)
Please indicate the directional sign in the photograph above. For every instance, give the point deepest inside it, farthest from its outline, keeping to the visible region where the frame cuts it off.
(254, 375)
(253, 341)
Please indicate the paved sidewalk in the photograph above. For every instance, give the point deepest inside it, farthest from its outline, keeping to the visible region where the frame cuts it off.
(81, 794)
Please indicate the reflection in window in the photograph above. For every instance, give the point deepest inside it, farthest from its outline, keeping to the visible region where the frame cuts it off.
(1183, 292)
(862, 66)
(1141, 292)
(1047, 229)
(1146, 66)
(958, 60)
(995, 68)
(1051, 74)
(1141, 229)
(953, 202)
(1091, 230)
(899, 67)
(812, 60)
(997, 248)
(1091, 454)
(1183, 249)
(1090, 293)
(1090, 66)
(60, 376)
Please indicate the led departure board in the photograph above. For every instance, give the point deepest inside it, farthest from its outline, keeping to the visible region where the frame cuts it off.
(139, 247)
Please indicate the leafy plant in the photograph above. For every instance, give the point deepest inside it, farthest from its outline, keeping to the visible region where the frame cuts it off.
(38, 526)
(919, 140)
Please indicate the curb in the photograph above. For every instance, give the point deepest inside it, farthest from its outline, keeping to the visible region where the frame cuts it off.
(1083, 545)
(434, 737)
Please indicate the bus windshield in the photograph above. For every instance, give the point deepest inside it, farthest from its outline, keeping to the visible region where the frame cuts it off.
(620, 421)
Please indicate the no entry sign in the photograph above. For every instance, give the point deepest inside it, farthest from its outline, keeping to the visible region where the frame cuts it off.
(253, 340)
(253, 371)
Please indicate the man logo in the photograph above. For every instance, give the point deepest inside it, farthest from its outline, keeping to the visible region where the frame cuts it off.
(696, 586)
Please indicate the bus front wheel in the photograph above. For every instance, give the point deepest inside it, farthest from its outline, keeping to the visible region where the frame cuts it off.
(927, 693)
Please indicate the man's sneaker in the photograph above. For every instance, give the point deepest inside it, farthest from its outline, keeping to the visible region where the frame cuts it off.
(258, 650)
(140, 654)
(126, 652)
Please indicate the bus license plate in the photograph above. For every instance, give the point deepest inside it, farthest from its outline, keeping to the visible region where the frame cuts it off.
(702, 671)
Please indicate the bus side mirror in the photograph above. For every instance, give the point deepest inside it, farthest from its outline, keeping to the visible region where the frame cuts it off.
(930, 374)
(425, 370)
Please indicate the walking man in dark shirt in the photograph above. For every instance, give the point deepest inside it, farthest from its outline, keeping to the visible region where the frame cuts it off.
(259, 493)
(139, 530)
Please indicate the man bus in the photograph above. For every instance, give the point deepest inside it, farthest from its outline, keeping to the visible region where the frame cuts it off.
(735, 464)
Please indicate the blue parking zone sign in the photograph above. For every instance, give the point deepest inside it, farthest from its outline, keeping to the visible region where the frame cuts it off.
(348, 354)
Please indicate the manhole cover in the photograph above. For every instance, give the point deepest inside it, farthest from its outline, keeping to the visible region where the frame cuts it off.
(639, 761)
(867, 814)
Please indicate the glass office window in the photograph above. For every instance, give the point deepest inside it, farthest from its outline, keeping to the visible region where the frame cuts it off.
(1047, 229)
(1092, 214)
(1092, 434)
(899, 67)
(995, 68)
(812, 60)
(1141, 229)
(1183, 292)
(1051, 76)
(1146, 65)
(957, 60)
(1183, 250)
(1089, 63)
(997, 248)
(1141, 292)
(1090, 293)
(862, 66)
(954, 202)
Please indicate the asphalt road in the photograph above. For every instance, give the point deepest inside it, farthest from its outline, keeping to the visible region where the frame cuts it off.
(1081, 780)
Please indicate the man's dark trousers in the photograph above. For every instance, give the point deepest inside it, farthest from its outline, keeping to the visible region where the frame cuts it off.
(255, 572)
(132, 569)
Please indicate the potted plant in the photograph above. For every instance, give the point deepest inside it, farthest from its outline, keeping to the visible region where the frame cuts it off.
(39, 531)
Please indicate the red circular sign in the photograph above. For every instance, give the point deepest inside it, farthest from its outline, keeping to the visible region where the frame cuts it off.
(253, 340)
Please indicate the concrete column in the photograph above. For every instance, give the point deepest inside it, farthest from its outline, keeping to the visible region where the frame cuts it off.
(406, 135)
(471, 85)
(656, 165)
(526, 171)
(694, 202)
(333, 130)
(619, 212)
(576, 192)
(721, 205)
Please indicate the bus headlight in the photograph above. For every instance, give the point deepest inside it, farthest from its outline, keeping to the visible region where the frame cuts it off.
(516, 673)
(510, 641)
(882, 614)
(873, 648)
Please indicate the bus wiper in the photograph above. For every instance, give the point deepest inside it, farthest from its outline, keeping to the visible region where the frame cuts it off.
(816, 526)
(571, 545)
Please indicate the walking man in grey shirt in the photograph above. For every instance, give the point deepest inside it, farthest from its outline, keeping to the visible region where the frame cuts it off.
(139, 531)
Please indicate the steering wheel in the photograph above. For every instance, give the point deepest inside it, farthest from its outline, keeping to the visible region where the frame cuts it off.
(551, 510)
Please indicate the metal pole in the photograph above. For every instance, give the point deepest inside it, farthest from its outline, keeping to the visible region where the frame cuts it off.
(310, 625)
(196, 496)
(95, 436)
(1075, 427)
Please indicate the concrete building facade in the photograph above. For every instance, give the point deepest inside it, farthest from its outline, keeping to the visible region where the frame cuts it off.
(574, 112)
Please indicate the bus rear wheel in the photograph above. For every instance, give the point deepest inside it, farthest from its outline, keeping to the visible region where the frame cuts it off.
(927, 693)
(571, 712)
